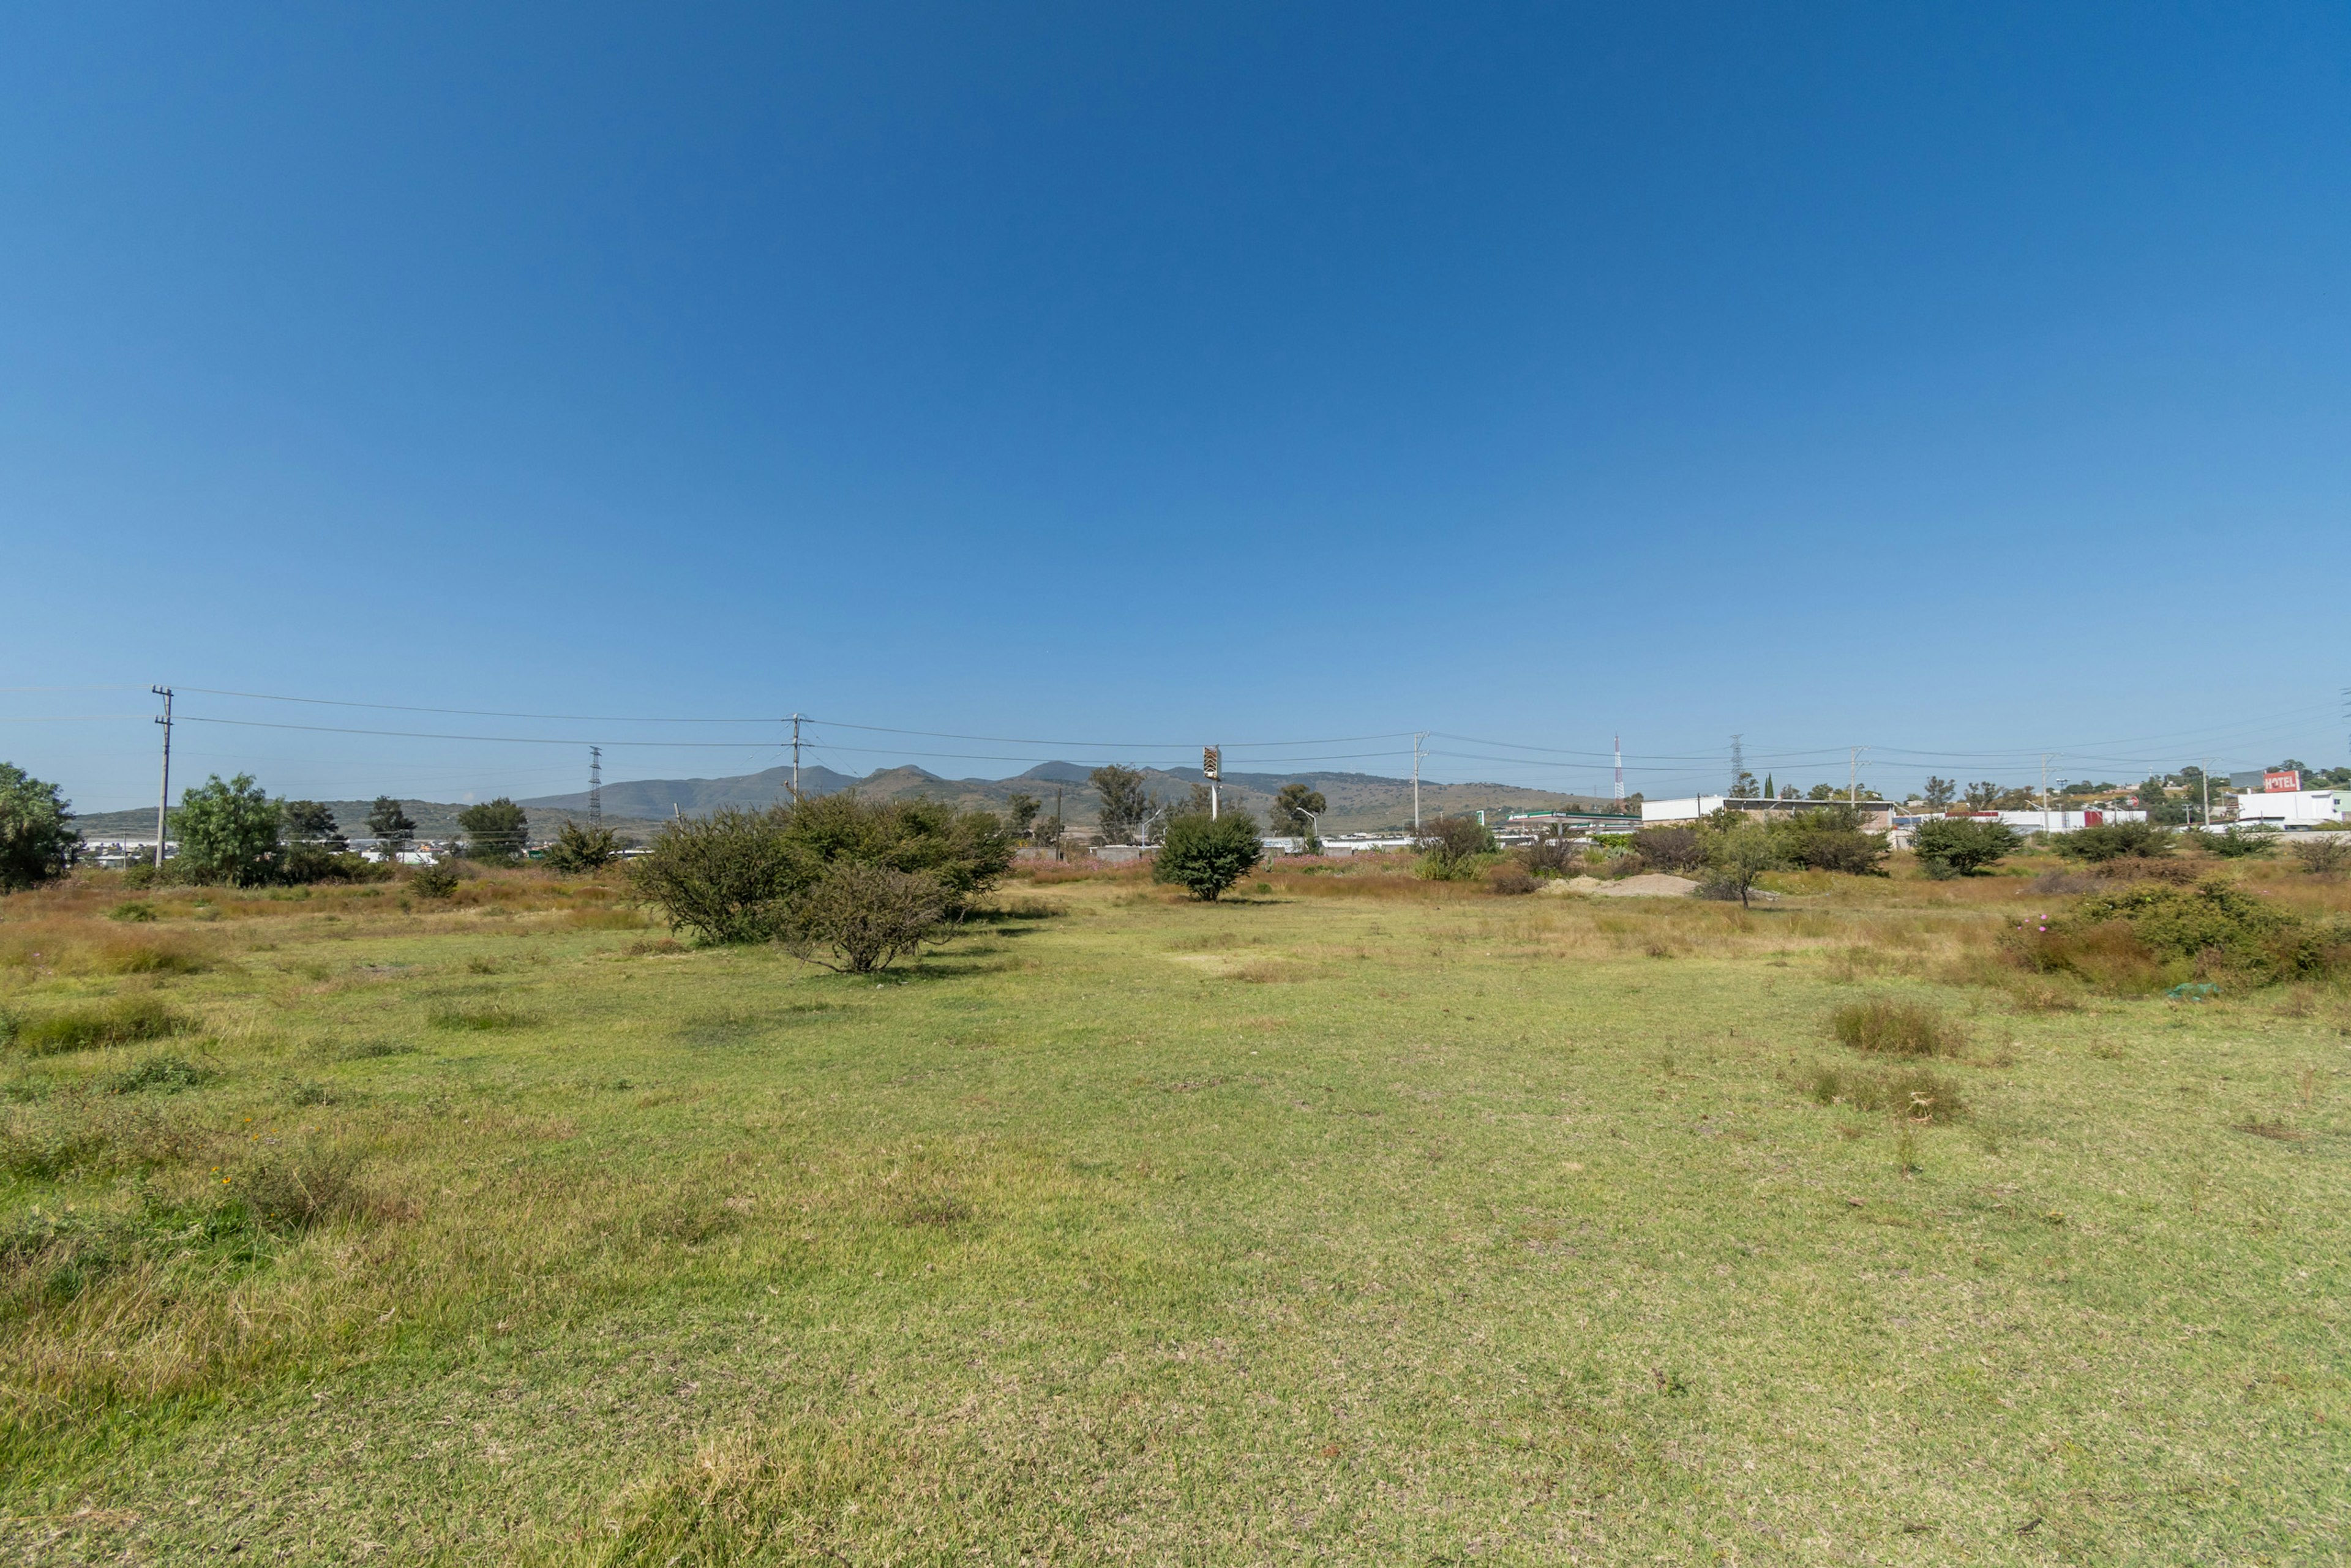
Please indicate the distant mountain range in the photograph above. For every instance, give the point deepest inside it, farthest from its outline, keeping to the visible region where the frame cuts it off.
(1360, 802)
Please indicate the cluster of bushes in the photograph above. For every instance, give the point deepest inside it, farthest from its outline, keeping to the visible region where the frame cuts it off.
(2151, 936)
(849, 884)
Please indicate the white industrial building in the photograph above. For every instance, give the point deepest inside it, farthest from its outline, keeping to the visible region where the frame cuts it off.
(2064, 821)
(1877, 816)
(2291, 807)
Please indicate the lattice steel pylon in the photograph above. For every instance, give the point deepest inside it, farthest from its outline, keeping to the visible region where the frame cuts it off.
(595, 787)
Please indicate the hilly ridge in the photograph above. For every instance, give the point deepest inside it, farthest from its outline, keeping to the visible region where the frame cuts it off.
(1360, 802)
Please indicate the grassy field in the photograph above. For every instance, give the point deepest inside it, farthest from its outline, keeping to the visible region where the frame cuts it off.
(1358, 1220)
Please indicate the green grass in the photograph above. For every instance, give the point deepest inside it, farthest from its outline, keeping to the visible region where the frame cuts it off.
(1418, 1228)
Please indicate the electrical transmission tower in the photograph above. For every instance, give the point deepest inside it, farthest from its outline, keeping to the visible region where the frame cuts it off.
(1737, 762)
(595, 787)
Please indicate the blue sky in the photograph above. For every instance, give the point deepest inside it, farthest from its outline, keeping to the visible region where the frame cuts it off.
(1960, 384)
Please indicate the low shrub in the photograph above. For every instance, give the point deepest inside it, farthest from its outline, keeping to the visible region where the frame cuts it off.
(125, 1021)
(134, 910)
(433, 882)
(859, 918)
(1671, 849)
(2213, 926)
(1913, 1094)
(2109, 955)
(1549, 857)
(294, 1193)
(2239, 843)
(2324, 854)
(1833, 839)
(1885, 1026)
(1452, 848)
(1207, 854)
(578, 850)
(1961, 846)
(1510, 880)
(2113, 841)
(739, 876)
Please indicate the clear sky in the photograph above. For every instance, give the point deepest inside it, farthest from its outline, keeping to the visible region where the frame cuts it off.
(1958, 382)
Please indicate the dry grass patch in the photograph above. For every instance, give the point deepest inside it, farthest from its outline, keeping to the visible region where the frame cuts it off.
(124, 1020)
(1890, 1026)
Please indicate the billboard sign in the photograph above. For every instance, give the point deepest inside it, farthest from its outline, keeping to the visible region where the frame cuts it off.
(2286, 782)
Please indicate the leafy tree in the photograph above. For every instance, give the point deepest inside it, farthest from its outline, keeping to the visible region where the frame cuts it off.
(1770, 792)
(38, 843)
(1744, 786)
(1739, 856)
(390, 825)
(1941, 793)
(312, 848)
(311, 821)
(1450, 846)
(1982, 794)
(1822, 792)
(1956, 846)
(1124, 803)
(228, 832)
(1296, 812)
(2113, 841)
(578, 851)
(1208, 855)
(1023, 809)
(496, 831)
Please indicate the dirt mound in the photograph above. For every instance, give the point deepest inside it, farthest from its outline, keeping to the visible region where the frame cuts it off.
(1652, 884)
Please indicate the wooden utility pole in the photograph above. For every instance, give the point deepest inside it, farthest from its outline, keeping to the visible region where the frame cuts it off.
(163, 798)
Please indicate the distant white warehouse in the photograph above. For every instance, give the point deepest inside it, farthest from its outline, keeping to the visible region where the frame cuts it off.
(2291, 807)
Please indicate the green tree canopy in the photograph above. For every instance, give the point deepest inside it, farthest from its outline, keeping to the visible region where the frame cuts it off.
(1207, 854)
(1124, 803)
(391, 825)
(227, 832)
(38, 840)
(1739, 855)
(1021, 808)
(311, 822)
(496, 831)
(1295, 811)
